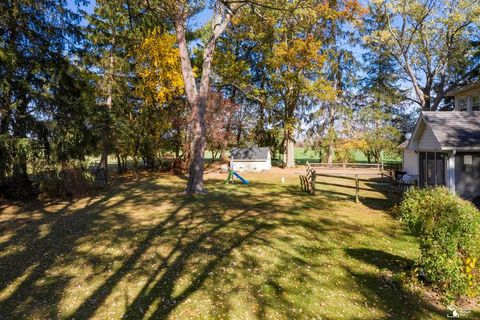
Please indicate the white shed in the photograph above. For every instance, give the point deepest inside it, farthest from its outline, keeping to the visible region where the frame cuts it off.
(251, 159)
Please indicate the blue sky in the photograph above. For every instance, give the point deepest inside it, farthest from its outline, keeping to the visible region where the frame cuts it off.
(198, 21)
(88, 8)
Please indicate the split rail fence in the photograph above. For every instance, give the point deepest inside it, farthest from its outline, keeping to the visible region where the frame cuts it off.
(313, 171)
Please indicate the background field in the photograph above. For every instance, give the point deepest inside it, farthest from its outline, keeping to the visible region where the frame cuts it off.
(302, 155)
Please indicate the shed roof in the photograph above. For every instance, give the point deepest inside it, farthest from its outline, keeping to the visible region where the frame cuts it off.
(253, 153)
(454, 129)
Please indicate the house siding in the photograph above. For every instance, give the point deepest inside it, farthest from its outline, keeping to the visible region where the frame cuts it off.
(467, 177)
(252, 166)
(427, 140)
(410, 162)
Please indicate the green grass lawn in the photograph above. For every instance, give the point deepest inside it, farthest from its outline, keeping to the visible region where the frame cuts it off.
(263, 251)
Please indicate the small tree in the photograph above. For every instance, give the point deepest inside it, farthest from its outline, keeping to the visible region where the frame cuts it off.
(219, 119)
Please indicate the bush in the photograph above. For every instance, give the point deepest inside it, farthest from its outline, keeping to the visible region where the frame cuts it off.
(448, 229)
(69, 180)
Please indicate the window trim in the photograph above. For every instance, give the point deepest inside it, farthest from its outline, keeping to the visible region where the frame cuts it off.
(476, 105)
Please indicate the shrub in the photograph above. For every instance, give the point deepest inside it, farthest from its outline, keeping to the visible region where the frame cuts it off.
(448, 229)
(66, 181)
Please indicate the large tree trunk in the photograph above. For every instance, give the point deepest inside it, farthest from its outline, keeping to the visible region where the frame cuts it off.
(102, 169)
(197, 120)
(330, 153)
(239, 134)
(427, 101)
(196, 169)
(331, 133)
(20, 186)
(289, 156)
(197, 98)
(378, 157)
(289, 124)
(4, 122)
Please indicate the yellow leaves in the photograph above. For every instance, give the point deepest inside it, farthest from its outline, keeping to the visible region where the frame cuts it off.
(470, 264)
(382, 36)
(297, 66)
(346, 10)
(298, 53)
(323, 90)
(229, 67)
(470, 270)
(360, 144)
(344, 149)
(158, 65)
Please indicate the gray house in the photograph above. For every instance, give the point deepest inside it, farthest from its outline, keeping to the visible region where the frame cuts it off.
(445, 146)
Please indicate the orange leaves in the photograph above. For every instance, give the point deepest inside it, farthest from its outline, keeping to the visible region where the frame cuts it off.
(343, 9)
(353, 9)
(158, 65)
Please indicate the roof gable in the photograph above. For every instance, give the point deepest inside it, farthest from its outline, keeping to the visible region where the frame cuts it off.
(451, 129)
(455, 129)
(423, 136)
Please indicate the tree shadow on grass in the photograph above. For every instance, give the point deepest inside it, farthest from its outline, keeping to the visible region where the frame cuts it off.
(376, 193)
(184, 249)
(200, 233)
(205, 244)
(40, 240)
(158, 291)
(381, 291)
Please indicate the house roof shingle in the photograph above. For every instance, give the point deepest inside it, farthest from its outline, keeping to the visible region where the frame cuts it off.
(462, 89)
(455, 129)
(253, 153)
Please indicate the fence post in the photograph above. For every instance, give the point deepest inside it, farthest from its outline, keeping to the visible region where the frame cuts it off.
(314, 177)
(356, 188)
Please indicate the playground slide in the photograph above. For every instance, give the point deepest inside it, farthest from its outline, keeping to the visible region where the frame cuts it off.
(241, 178)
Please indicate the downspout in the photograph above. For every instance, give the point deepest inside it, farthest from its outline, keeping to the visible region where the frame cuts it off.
(418, 164)
(451, 171)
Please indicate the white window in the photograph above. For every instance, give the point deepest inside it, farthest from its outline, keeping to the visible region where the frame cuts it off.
(467, 163)
(462, 104)
(476, 103)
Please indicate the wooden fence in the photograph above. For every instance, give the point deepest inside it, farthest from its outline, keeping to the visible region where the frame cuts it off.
(379, 166)
(309, 179)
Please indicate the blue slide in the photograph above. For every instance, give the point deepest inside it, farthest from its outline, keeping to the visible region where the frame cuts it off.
(240, 177)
